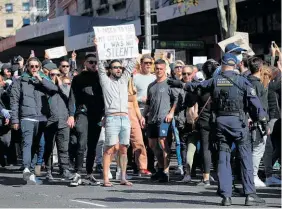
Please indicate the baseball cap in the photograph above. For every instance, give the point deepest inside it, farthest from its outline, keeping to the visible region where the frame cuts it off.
(199, 76)
(229, 59)
(50, 66)
(234, 48)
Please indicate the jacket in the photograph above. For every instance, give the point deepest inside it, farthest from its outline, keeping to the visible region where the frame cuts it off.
(28, 98)
(115, 90)
(274, 98)
(58, 102)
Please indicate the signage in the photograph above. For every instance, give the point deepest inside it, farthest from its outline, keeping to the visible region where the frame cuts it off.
(181, 44)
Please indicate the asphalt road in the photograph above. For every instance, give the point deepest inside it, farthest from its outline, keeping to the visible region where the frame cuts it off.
(143, 194)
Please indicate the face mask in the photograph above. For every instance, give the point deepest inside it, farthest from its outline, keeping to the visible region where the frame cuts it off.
(239, 58)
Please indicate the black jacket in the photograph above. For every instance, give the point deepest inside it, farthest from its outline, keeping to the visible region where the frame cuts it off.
(260, 91)
(274, 97)
(86, 95)
(29, 99)
(58, 102)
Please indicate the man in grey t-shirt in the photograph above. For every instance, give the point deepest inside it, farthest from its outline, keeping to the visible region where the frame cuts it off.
(160, 106)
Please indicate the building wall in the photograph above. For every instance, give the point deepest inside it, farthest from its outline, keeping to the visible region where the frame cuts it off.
(128, 9)
(16, 15)
(62, 7)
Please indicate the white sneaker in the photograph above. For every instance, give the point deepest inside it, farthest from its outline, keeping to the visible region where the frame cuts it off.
(272, 181)
(179, 170)
(258, 182)
(110, 176)
(118, 176)
(32, 179)
(186, 179)
(76, 180)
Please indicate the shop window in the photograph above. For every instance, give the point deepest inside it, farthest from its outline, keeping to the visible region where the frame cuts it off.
(9, 23)
(41, 5)
(26, 6)
(9, 8)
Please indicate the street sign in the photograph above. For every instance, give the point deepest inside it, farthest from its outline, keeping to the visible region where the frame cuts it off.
(181, 44)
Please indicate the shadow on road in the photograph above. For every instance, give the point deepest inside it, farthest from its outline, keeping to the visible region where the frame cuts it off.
(11, 181)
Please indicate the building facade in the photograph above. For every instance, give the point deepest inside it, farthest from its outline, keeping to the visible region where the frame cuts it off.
(62, 7)
(13, 15)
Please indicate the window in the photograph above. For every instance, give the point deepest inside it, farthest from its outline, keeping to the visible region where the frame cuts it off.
(9, 23)
(41, 5)
(9, 8)
(103, 2)
(26, 6)
(26, 21)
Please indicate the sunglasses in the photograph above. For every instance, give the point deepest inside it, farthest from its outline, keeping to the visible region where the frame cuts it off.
(117, 67)
(65, 66)
(55, 74)
(92, 62)
(148, 63)
(186, 73)
(178, 67)
(34, 66)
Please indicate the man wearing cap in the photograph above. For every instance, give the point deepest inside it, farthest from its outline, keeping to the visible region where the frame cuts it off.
(47, 67)
(232, 97)
(235, 50)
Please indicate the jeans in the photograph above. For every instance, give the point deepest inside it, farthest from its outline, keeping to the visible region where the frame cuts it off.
(177, 143)
(87, 133)
(32, 132)
(60, 136)
(100, 147)
(41, 150)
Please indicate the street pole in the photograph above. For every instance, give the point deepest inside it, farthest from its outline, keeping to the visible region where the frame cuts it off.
(148, 30)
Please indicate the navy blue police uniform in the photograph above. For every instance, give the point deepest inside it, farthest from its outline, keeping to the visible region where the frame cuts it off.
(232, 97)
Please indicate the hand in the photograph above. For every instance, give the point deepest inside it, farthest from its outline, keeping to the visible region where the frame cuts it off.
(71, 122)
(144, 99)
(7, 121)
(137, 40)
(73, 56)
(279, 65)
(36, 75)
(5, 113)
(16, 126)
(104, 122)
(169, 118)
(175, 83)
(95, 42)
(142, 122)
(273, 50)
(46, 56)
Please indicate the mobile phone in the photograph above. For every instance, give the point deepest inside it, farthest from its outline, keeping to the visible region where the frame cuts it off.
(168, 55)
(273, 43)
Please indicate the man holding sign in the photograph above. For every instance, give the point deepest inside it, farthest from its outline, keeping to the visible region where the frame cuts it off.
(116, 122)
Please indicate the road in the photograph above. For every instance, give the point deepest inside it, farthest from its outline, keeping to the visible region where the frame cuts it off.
(143, 194)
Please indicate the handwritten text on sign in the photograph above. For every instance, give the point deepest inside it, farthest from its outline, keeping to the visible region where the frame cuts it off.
(116, 42)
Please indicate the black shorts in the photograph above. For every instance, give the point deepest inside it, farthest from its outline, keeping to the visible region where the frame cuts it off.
(158, 130)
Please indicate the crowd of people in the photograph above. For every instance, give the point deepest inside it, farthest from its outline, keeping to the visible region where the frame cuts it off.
(222, 114)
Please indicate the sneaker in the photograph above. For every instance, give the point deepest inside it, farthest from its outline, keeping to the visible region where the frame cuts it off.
(156, 176)
(258, 182)
(271, 181)
(118, 176)
(49, 176)
(276, 166)
(204, 183)
(179, 170)
(164, 178)
(67, 175)
(37, 170)
(254, 200)
(32, 179)
(91, 180)
(144, 172)
(99, 168)
(76, 180)
(186, 179)
(110, 175)
(26, 174)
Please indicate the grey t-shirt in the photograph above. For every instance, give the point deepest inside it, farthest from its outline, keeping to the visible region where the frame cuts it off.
(160, 99)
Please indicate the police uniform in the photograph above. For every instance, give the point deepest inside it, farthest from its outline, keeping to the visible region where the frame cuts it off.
(232, 97)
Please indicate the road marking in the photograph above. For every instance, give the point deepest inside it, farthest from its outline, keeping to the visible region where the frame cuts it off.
(89, 203)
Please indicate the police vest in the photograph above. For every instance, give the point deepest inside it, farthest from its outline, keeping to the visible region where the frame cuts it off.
(228, 98)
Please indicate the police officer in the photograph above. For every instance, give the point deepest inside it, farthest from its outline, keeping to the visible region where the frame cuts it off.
(232, 97)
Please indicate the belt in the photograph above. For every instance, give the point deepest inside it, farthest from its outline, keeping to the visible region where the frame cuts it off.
(223, 113)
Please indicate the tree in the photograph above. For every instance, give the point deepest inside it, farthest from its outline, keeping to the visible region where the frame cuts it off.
(228, 25)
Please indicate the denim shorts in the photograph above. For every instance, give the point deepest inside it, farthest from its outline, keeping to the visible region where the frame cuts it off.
(117, 130)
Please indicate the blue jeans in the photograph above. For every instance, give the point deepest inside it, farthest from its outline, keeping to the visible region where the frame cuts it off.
(177, 143)
(32, 132)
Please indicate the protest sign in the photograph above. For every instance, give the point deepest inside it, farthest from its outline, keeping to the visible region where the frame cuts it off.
(244, 35)
(165, 54)
(116, 42)
(146, 51)
(237, 39)
(56, 52)
(199, 60)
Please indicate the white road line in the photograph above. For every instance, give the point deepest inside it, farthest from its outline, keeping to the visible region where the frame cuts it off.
(89, 203)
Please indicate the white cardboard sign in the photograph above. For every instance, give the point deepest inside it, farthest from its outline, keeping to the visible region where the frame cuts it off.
(56, 52)
(199, 60)
(116, 42)
(239, 40)
(244, 35)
